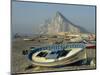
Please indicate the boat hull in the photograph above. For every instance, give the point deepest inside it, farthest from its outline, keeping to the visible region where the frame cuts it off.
(74, 58)
(91, 47)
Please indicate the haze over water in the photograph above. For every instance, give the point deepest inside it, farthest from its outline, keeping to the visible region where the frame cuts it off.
(27, 17)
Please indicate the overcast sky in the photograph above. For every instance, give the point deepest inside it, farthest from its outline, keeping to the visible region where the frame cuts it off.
(28, 16)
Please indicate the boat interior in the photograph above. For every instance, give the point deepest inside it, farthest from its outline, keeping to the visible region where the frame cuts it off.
(56, 52)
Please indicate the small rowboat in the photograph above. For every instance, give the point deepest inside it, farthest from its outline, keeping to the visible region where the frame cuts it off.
(58, 54)
(90, 44)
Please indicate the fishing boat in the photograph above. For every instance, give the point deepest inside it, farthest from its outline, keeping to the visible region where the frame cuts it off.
(90, 44)
(57, 54)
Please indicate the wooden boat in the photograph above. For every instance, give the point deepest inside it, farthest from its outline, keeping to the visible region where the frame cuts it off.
(90, 44)
(58, 54)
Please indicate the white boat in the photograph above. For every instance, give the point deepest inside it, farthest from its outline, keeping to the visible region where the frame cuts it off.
(55, 55)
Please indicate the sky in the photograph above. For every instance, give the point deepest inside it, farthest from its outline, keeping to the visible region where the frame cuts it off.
(27, 17)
